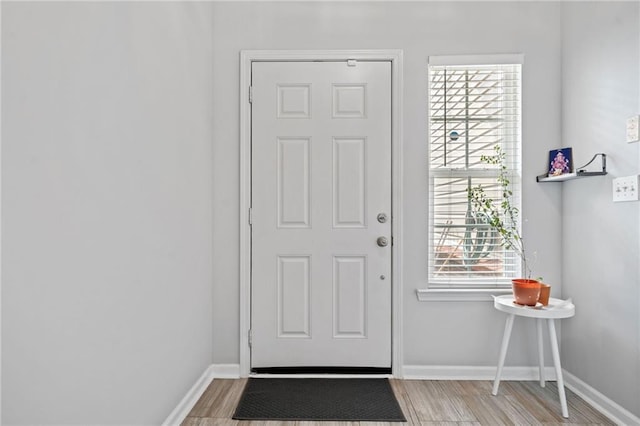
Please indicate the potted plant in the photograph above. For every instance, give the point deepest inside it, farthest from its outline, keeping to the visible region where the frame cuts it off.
(504, 217)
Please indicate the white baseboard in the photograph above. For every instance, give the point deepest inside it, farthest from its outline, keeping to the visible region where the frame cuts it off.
(214, 371)
(463, 372)
(226, 371)
(606, 406)
(187, 403)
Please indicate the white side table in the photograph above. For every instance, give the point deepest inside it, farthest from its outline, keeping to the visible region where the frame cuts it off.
(557, 309)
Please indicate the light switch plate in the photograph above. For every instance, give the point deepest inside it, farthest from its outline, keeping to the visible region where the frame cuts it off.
(633, 135)
(625, 189)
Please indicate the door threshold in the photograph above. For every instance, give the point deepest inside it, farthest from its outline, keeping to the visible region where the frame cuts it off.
(322, 371)
(320, 376)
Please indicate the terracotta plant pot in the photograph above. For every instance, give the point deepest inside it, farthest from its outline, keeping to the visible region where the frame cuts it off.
(526, 292)
(545, 292)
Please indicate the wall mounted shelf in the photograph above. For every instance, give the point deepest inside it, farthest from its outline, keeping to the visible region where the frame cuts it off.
(579, 174)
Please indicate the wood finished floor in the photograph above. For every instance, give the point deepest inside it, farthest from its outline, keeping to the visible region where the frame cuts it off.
(428, 402)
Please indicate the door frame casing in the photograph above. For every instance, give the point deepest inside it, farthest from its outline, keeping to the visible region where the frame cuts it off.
(396, 59)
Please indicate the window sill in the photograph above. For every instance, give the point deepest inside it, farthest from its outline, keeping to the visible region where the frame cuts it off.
(460, 294)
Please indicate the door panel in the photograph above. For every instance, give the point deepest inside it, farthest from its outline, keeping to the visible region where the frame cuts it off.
(294, 284)
(349, 183)
(293, 192)
(350, 296)
(321, 173)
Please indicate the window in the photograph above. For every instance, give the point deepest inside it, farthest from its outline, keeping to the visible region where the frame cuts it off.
(474, 105)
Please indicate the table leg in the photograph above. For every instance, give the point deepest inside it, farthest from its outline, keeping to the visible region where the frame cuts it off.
(503, 351)
(556, 362)
(540, 350)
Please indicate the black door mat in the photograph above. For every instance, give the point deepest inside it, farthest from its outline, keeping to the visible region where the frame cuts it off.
(319, 400)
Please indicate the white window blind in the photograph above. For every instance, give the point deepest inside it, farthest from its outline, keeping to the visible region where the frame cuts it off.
(472, 109)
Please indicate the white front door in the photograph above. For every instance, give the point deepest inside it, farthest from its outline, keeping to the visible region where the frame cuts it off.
(321, 199)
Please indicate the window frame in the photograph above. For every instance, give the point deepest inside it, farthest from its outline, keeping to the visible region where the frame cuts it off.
(470, 288)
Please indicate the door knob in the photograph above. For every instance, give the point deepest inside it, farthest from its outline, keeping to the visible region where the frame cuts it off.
(382, 241)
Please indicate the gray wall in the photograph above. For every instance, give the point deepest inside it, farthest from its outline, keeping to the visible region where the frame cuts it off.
(452, 334)
(107, 210)
(601, 75)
